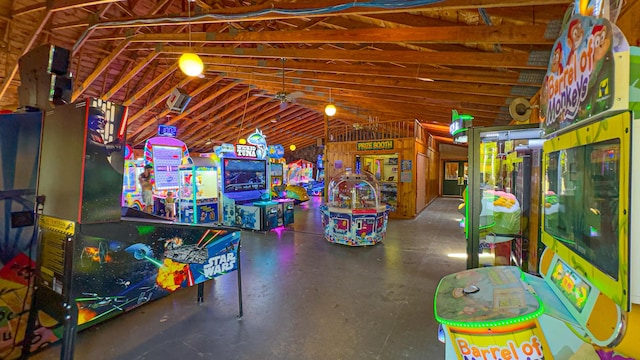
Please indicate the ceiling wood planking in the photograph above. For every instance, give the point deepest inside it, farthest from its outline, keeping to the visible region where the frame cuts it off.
(324, 81)
(151, 84)
(212, 116)
(206, 85)
(102, 65)
(391, 64)
(155, 102)
(409, 71)
(130, 75)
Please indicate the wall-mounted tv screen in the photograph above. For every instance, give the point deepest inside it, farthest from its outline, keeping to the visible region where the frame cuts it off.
(244, 175)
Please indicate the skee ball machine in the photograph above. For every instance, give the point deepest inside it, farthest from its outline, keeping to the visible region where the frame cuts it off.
(96, 260)
(586, 302)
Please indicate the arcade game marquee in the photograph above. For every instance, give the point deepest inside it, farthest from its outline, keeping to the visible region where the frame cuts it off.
(586, 301)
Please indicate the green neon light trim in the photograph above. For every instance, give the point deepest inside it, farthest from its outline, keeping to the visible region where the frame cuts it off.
(561, 239)
(487, 226)
(458, 131)
(490, 324)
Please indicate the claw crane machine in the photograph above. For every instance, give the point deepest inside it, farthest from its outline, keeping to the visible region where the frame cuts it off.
(584, 300)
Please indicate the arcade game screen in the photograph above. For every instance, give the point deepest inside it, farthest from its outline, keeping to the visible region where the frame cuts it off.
(166, 160)
(244, 175)
(581, 202)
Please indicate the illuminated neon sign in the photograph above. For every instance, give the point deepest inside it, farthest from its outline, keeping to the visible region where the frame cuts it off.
(460, 123)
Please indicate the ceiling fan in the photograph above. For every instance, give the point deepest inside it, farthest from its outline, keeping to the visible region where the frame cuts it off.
(283, 96)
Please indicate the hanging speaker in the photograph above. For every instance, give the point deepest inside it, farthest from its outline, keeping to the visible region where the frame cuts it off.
(520, 109)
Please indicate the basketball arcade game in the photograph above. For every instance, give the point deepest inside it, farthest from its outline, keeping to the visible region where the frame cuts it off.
(588, 299)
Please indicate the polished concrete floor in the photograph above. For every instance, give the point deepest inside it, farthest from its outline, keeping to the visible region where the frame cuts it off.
(304, 298)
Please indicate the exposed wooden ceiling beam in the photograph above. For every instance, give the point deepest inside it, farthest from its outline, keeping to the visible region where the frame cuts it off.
(324, 81)
(103, 65)
(267, 11)
(130, 75)
(471, 59)
(156, 101)
(13, 68)
(409, 71)
(60, 5)
(151, 84)
(505, 34)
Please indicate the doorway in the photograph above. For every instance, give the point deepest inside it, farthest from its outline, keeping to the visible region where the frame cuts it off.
(454, 177)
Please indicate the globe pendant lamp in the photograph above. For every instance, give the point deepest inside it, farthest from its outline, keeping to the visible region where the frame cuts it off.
(330, 109)
(190, 64)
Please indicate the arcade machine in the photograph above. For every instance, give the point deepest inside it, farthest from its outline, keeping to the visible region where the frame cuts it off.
(298, 174)
(317, 186)
(246, 199)
(198, 194)
(354, 215)
(276, 172)
(96, 259)
(131, 191)
(586, 302)
(285, 205)
(165, 154)
(496, 210)
(19, 150)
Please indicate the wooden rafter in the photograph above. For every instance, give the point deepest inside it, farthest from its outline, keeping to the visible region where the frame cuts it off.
(130, 75)
(520, 61)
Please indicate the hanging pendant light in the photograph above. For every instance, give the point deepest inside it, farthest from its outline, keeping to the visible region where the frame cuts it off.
(190, 63)
(330, 109)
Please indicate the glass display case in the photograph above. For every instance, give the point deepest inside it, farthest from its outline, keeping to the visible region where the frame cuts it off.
(354, 214)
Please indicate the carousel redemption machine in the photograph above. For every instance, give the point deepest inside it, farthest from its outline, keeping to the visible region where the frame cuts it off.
(96, 259)
(584, 301)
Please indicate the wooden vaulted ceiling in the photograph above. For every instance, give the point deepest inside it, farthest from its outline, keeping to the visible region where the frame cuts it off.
(375, 62)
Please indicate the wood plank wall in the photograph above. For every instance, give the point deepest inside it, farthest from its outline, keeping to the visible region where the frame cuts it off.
(407, 149)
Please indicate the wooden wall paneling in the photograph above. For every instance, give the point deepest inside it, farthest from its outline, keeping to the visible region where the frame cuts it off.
(421, 181)
(406, 149)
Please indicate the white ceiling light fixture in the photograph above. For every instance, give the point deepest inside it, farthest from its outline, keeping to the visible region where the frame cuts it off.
(189, 62)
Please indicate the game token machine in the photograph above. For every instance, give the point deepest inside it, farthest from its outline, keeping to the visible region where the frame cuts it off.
(586, 300)
(198, 194)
